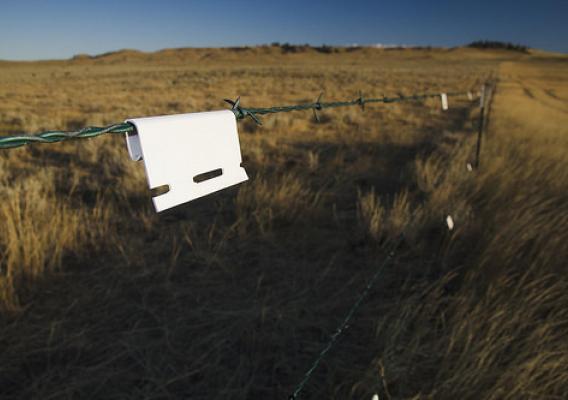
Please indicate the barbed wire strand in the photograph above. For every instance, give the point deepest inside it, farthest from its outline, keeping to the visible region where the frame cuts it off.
(8, 142)
(390, 255)
(318, 105)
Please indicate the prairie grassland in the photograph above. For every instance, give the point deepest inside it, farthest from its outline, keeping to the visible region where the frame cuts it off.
(233, 295)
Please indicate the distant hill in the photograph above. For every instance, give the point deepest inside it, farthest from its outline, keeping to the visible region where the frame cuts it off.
(274, 50)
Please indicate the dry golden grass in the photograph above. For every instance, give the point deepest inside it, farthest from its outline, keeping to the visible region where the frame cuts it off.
(38, 229)
(233, 295)
(267, 201)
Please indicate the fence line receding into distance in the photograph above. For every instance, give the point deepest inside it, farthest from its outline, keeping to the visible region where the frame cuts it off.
(240, 112)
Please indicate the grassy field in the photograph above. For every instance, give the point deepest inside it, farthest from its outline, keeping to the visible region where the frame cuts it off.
(232, 296)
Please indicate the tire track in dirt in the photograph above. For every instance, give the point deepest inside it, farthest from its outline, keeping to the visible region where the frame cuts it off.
(544, 101)
(552, 94)
(528, 92)
(530, 106)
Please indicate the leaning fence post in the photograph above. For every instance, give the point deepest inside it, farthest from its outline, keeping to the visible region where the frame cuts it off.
(481, 123)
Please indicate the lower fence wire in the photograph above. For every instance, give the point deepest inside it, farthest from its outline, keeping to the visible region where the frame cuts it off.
(346, 320)
(296, 393)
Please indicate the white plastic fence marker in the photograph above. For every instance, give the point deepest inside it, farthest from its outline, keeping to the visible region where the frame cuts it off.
(177, 149)
(470, 96)
(482, 97)
(450, 222)
(444, 98)
(469, 167)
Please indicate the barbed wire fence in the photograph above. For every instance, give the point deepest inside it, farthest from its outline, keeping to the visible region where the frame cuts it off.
(391, 253)
(241, 113)
(7, 142)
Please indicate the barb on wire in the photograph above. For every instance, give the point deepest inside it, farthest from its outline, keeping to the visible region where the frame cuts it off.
(318, 107)
(361, 100)
(239, 111)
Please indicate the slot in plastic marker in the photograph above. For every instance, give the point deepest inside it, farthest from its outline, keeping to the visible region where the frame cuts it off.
(193, 155)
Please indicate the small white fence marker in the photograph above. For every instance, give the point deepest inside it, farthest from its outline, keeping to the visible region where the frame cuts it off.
(450, 222)
(444, 98)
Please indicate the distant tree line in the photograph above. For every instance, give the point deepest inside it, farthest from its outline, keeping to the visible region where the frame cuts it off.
(293, 48)
(326, 49)
(493, 44)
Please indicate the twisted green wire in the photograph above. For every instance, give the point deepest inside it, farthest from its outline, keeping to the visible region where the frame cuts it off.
(242, 112)
(8, 142)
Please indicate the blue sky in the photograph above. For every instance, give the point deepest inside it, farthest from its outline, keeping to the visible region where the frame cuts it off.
(61, 28)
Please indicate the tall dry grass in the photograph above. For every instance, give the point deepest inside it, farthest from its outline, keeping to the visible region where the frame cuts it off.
(275, 200)
(39, 228)
(493, 324)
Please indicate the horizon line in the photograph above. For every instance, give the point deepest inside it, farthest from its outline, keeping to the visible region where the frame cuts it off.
(377, 46)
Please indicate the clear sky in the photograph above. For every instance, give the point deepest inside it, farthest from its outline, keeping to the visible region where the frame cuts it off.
(43, 29)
